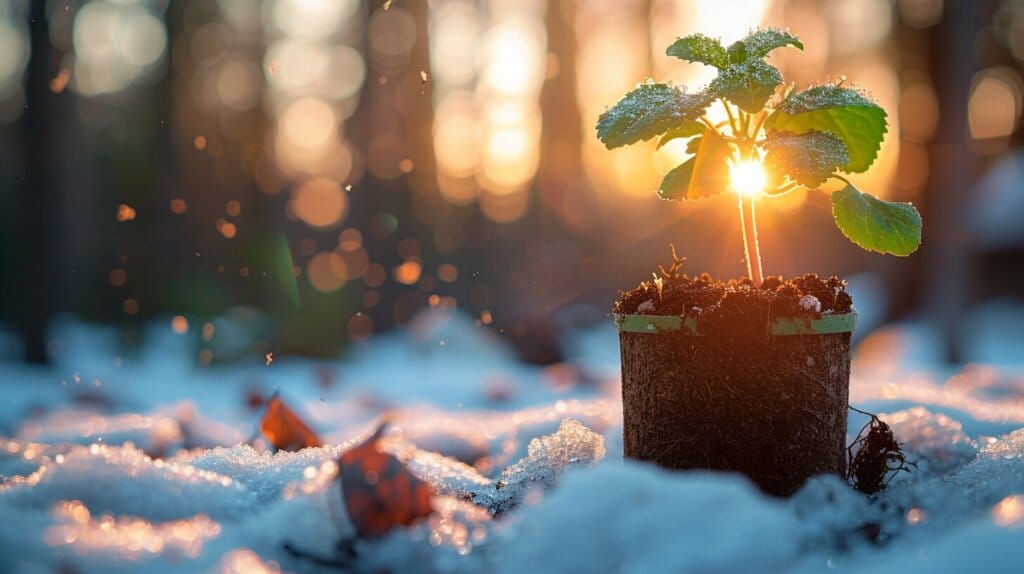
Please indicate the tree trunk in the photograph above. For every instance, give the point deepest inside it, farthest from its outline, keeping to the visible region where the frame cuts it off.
(944, 245)
(37, 194)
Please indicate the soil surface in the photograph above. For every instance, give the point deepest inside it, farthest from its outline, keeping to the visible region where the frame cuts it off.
(736, 306)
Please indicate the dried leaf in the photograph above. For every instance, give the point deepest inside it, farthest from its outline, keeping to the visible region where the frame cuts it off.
(379, 491)
(284, 429)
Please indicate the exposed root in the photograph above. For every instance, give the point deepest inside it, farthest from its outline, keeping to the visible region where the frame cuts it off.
(677, 264)
(878, 459)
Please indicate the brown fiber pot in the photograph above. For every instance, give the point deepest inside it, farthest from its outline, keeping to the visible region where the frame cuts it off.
(772, 407)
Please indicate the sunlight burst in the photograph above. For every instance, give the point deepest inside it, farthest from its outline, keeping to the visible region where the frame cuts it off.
(748, 177)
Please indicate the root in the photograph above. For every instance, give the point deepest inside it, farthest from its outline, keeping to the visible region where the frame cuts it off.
(877, 460)
(677, 264)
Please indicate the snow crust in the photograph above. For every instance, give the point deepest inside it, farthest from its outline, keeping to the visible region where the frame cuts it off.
(149, 465)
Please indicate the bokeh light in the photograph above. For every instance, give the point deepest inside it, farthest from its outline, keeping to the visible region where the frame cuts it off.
(327, 271)
(309, 19)
(995, 104)
(319, 202)
(14, 51)
(116, 43)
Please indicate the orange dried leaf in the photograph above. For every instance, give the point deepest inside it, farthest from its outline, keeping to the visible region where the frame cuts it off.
(379, 491)
(284, 429)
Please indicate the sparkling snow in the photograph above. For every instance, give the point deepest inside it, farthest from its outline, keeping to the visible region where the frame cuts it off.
(152, 464)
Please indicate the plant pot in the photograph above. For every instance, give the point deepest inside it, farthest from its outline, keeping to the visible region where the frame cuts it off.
(771, 405)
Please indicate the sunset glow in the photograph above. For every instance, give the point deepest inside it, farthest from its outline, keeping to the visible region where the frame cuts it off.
(748, 177)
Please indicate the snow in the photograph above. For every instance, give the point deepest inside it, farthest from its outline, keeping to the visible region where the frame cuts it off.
(936, 442)
(632, 517)
(981, 545)
(149, 463)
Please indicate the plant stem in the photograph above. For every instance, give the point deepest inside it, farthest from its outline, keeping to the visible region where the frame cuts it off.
(760, 122)
(751, 249)
(732, 120)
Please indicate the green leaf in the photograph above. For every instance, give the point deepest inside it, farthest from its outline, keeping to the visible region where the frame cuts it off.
(758, 43)
(704, 175)
(876, 225)
(693, 145)
(748, 84)
(808, 158)
(674, 185)
(711, 167)
(699, 48)
(649, 110)
(845, 112)
(687, 129)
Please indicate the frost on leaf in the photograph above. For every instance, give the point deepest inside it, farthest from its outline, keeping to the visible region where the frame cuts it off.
(876, 225)
(843, 111)
(748, 84)
(808, 158)
(546, 459)
(758, 43)
(699, 48)
(648, 111)
(687, 129)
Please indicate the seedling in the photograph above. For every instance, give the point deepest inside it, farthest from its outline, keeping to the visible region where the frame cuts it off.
(774, 140)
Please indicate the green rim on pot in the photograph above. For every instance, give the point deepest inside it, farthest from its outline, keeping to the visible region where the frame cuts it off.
(828, 324)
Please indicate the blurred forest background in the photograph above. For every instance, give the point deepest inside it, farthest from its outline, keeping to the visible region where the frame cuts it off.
(288, 176)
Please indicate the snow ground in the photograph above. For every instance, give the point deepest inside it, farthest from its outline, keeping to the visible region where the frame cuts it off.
(136, 464)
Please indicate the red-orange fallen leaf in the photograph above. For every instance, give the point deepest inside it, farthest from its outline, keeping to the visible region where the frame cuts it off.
(284, 429)
(379, 491)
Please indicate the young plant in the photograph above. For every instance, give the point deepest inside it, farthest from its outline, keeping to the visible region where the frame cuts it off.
(775, 140)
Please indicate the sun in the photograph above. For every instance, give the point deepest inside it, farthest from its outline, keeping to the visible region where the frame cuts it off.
(748, 177)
